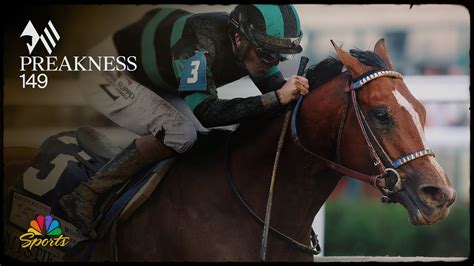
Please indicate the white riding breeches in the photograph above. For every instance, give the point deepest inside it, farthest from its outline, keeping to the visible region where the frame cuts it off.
(135, 107)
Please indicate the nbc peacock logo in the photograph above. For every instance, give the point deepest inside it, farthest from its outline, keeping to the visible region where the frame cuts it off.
(44, 231)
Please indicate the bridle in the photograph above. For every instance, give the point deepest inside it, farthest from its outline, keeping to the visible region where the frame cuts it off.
(388, 180)
(314, 249)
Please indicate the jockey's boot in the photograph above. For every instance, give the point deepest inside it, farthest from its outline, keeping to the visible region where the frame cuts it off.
(136, 157)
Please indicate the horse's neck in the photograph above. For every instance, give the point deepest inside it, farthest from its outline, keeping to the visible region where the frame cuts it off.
(301, 185)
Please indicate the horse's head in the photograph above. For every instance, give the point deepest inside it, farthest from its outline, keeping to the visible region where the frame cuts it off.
(395, 128)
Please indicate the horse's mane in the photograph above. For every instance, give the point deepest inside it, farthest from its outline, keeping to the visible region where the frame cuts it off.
(331, 67)
(317, 75)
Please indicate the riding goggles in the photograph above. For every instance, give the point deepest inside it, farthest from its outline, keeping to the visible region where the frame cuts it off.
(270, 57)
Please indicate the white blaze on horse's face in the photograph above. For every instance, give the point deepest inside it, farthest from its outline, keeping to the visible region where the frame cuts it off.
(426, 190)
(437, 183)
(405, 104)
(415, 116)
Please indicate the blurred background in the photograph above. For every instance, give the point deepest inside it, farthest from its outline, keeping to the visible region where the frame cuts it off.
(429, 45)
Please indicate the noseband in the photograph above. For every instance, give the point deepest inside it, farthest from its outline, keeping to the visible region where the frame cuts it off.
(388, 180)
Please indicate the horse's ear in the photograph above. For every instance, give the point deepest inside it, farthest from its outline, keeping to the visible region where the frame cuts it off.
(352, 64)
(381, 50)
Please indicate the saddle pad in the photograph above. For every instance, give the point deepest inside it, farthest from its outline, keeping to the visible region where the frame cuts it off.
(145, 191)
(105, 247)
(134, 196)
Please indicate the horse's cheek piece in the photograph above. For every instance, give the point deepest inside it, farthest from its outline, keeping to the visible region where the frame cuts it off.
(382, 181)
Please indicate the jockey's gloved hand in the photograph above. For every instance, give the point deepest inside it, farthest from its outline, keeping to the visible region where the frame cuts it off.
(295, 86)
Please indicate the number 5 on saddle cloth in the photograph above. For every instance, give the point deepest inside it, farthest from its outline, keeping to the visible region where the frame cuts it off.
(62, 163)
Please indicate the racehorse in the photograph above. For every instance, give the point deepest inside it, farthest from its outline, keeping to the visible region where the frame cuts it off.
(363, 123)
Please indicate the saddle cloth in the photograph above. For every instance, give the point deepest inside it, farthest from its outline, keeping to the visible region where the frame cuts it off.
(63, 162)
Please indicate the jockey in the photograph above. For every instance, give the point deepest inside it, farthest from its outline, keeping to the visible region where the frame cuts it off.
(189, 56)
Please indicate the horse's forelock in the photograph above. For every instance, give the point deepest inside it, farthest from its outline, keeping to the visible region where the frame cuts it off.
(369, 58)
(331, 67)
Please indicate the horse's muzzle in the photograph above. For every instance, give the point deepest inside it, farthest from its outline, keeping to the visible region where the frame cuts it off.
(428, 205)
(436, 197)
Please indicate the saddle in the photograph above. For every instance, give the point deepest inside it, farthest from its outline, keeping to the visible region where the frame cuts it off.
(119, 205)
(62, 162)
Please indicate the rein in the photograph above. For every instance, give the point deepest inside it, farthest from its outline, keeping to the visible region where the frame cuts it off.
(315, 249)
(388, 180)
(263, 244)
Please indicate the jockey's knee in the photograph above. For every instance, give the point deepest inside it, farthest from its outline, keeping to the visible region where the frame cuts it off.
(165, 144)
(152, 149)
(177, 134)
(181, 139)
(173, 136)
(191, 138)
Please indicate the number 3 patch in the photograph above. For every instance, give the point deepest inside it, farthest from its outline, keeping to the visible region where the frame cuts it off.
(193, 76)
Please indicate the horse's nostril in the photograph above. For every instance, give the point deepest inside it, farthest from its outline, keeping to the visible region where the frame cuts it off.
(452, 199)
(433, 196)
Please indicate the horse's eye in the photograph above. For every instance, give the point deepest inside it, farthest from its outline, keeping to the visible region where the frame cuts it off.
(381, 115)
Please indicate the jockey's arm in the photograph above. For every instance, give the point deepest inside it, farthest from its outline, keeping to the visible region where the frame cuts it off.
(199, 91)
(277, 92)
(213, 112)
